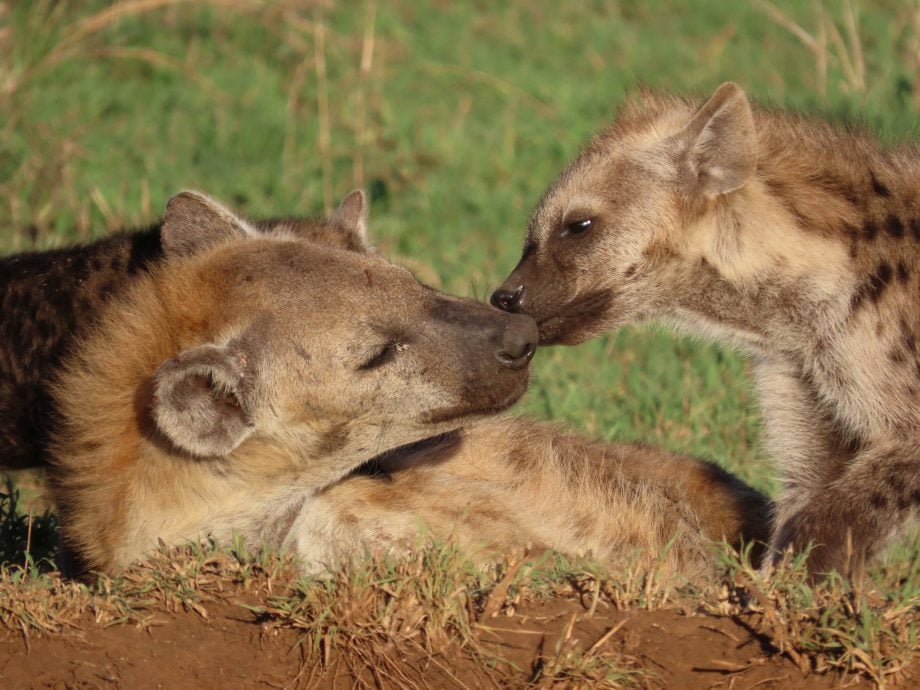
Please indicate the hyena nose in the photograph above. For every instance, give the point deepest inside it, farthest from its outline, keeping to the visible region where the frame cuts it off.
(508, 300)
(519, 342)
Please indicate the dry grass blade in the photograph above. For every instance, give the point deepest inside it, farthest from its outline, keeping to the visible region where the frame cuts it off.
(322, 105)
(367, 61)
(795, 29)
(105, 18)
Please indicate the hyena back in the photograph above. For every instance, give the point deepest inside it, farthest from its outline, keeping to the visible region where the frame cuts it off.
(790, 238)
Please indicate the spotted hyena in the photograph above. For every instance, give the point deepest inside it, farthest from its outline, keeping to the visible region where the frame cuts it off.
(302, 394)
(793, 239)
(49, 299)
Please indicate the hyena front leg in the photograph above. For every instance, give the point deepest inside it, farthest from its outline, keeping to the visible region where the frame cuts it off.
(857, 513)
(801, 436)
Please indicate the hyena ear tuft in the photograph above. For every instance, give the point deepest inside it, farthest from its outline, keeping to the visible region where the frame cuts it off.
(200, 400)
(351, 218)
(195, 222)
(721, 143)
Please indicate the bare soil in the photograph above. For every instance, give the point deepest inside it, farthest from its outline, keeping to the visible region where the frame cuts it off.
(229, 647)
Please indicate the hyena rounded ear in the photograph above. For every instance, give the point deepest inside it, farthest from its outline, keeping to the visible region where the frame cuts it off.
(351, 218)
(720, 143)
(195, 222)
(201, 402)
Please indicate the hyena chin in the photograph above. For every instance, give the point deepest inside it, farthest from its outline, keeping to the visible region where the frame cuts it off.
(312, 395)
(792, 239)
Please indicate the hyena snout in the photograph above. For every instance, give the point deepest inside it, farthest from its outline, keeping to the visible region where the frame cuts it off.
(519, 339)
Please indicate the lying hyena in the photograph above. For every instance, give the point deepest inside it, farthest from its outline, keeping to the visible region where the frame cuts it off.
(793, 240)
(238, 386)
(48, 299)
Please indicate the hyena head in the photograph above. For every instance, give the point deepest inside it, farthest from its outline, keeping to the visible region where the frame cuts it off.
(613, 237)
(320, 346)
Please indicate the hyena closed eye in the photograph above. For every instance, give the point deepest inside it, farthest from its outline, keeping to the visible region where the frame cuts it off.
(241, 384)
(792, 239)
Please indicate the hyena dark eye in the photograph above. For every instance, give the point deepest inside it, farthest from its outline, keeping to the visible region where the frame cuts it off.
(578, 227)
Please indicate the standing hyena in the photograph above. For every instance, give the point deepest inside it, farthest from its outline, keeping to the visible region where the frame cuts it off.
(238, 385)
(792, 239)
(49, 299)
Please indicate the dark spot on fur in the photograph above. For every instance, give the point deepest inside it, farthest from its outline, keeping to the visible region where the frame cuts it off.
(897, 356)
(852, 444)
(915, 228)
(869, 230)
(630, 271)
(894, 226)
(903, 271)
(303, 354)
(878, 187)
(878, 281)
(879, 501)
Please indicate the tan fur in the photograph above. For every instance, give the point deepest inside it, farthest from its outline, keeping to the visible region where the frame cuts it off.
(508, 482)
(289, 329)
(794, 240)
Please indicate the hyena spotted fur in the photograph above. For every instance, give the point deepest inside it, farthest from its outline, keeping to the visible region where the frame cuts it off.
(49, 299)
(797, 241)
(302, 394)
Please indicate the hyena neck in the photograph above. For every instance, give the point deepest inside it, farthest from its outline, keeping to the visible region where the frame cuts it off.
(763, 277)
(827, 226)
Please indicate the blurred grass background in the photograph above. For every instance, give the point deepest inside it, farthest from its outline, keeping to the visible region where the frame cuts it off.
(454, 115)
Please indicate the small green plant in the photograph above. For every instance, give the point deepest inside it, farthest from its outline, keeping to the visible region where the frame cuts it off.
(25, 539)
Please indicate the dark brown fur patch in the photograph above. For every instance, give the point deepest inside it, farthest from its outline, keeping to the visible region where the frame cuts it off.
(879, 281)
(832, 184)
(915, 228)
(894, 226)
(879, 501)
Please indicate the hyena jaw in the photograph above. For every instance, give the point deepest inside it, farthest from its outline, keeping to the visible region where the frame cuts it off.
(791, 239)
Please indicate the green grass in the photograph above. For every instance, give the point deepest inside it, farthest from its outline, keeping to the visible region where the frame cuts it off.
(465, 113)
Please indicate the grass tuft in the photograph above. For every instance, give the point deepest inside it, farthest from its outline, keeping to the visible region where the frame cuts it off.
(869, 629)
